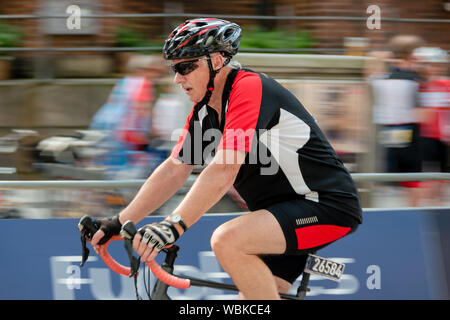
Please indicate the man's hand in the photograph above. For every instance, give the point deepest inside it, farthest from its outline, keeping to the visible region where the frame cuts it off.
(152, 238)
(108, 227)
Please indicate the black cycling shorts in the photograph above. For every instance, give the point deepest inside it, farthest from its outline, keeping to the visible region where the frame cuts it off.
(406, 158)
(307, 226)
(434, 150)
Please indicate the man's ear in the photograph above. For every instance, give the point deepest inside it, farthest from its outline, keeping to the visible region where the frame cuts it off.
(217, 61)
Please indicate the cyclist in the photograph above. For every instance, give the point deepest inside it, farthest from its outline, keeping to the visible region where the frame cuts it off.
(434, 93)
(251, 132)
(395, 106)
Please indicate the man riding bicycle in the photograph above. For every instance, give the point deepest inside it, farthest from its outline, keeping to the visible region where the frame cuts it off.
(252, 133)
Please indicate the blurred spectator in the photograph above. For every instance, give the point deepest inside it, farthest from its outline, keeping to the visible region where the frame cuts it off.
(127, 115)
(169, 115)
(378, 63)
(395, 102)
(435, 114)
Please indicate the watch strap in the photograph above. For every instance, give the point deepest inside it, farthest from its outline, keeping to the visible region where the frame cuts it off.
(181, 223)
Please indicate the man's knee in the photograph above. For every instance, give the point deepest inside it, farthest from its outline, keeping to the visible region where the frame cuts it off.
(223, 239)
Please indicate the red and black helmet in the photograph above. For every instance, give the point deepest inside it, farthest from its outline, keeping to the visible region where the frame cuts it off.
(198, 37)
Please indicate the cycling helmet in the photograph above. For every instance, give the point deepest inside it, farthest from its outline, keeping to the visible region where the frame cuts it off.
(202, 36)
(431, 54)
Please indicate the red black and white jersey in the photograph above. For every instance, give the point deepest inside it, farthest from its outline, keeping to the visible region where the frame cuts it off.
(395, 96)
(435, 99)
(288, 156)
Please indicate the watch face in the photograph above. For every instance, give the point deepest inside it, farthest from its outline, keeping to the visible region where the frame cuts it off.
(175, 218)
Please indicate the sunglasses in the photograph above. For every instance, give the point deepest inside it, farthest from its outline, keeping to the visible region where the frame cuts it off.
(186, 67)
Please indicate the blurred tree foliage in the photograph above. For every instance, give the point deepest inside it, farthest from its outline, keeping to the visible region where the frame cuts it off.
(252, 38)
(10, 36)
(128, 37)
(261, 38)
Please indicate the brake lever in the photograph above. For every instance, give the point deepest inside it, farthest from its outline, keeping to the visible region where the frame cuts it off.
(128, 232)
(84, 250)
(87, 227)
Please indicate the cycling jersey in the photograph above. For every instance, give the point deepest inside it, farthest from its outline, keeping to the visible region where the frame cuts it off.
(435, 125)
(435, 98)
(288, 156)
(395, 100)
(395, 97)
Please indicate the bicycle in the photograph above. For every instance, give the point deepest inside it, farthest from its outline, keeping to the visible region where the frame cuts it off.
(165, 273)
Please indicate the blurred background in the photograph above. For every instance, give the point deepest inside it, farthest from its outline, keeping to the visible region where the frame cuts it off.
(85, 95)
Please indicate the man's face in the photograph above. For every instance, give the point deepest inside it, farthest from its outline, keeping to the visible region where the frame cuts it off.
(193, 76)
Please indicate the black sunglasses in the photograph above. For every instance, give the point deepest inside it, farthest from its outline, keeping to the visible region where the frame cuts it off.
(186, 67)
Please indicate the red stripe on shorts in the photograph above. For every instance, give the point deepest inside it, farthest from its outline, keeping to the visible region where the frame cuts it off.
(314, 236)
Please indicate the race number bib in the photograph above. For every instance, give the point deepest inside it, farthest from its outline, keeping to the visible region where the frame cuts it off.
(396, 136)
(324, 267)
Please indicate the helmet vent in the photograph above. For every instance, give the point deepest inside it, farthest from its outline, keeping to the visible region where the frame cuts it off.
(175, 44)
(193, 41)
(209, 40)
(183, 33)
(228, 33)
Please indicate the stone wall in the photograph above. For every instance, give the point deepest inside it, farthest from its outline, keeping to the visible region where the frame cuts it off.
(71, 103)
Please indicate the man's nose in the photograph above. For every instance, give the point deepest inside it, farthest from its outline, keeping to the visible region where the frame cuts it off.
(178, 78)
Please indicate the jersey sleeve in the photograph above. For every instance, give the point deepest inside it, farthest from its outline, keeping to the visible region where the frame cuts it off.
(243, 111)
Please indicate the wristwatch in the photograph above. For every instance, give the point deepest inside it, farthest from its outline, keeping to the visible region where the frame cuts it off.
(176, 218)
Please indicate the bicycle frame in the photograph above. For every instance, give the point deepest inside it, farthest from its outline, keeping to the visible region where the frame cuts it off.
(166, 278)
(160, 288)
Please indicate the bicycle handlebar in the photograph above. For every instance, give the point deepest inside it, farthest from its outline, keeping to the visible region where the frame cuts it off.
(159, 272)
(89, 227)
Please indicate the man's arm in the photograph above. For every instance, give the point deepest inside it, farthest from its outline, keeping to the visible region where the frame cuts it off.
(159, 187)
(211, 185)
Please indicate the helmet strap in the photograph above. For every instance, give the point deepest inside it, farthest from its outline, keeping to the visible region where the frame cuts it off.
(210, 86)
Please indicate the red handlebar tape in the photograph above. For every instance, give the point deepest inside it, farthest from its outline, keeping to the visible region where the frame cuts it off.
(159, 272)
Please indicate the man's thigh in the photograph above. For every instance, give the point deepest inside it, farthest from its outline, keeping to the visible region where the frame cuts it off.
(257, 232)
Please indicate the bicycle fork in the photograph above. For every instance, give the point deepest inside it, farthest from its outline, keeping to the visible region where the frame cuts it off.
(160, 289)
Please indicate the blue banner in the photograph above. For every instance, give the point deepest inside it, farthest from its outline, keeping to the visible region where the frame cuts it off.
(396, 254)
